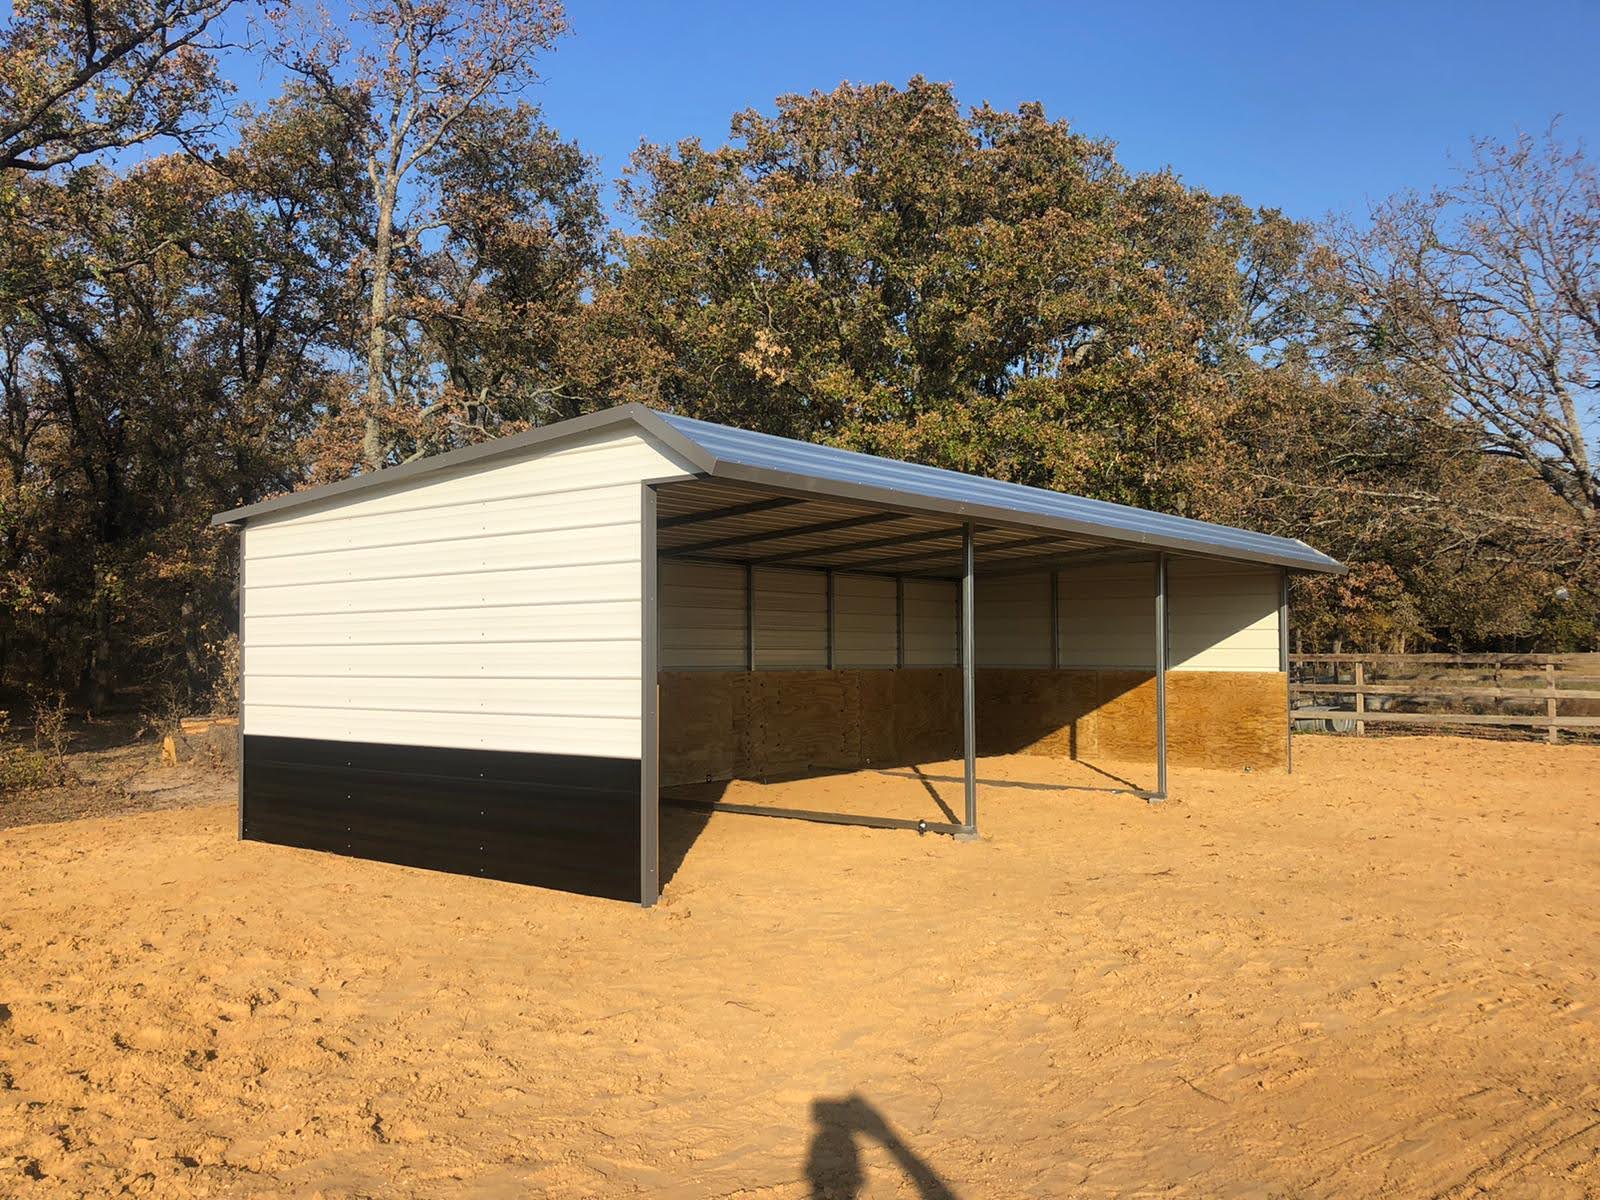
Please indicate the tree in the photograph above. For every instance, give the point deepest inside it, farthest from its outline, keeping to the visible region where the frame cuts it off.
(82, 76)
(162, 385)
(1437, 422)
(500, 300)
(1383, 479)
(983, 290)
(1485, 295)
(430, 65)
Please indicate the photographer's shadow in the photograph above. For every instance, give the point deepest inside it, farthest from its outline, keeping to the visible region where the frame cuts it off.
(833, 1163)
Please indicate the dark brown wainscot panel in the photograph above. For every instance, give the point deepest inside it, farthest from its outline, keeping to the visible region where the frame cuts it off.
(557, 820)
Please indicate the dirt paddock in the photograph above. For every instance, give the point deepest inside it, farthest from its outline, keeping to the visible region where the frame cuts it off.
(1377, 977)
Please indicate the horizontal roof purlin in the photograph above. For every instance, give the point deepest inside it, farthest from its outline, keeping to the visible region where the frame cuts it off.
(759, 459)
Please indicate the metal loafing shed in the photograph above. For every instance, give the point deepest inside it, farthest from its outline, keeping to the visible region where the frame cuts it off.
(491, 660)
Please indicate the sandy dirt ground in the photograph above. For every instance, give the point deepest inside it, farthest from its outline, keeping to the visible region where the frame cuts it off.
(1375, 978)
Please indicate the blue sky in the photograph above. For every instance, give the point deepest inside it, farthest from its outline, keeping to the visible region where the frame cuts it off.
(1311, 107)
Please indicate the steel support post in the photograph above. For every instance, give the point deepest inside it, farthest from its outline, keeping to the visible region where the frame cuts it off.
(969, 671)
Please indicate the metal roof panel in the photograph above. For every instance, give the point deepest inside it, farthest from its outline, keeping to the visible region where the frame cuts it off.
(776, 461)
(741, 456)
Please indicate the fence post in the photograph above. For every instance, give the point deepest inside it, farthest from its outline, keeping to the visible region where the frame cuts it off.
(1550, 702)
(1358, 676)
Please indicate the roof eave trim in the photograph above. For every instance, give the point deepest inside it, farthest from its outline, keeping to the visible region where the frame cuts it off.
(646, 419)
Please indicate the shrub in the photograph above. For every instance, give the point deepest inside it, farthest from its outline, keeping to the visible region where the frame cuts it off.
(22, 767)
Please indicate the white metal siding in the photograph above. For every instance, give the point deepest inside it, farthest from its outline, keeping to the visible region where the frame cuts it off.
(1224, 616)
(702, 616)
(1013, 621)
(1108, 616)
(933, 623)
(791, 615)
(491, 607)
(865, 621)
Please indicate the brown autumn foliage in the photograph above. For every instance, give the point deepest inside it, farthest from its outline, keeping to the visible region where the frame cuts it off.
(79, 78)
(873, 266)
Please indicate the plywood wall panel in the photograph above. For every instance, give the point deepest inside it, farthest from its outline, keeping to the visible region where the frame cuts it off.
(698, 733)
(1228, 719)
(803, 721)
(927, 714)
(877, 718)
(1124, 725)
(1026, 712)
(773, 723)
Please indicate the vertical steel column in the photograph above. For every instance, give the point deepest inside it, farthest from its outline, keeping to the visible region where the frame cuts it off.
(649, 715)
(1055, 619)
(1161, 679)
(833, 623)
(969, 691)
(1283, 665)
(749, 617)
(899, 621)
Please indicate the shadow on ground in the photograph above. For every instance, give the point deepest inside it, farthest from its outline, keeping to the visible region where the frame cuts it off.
(687, 808)
(680, 827)
(1124, 784)
(833, 1163)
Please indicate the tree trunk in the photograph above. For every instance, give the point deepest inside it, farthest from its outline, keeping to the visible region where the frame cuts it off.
(374, 446)
(194, 655)
(101, 678)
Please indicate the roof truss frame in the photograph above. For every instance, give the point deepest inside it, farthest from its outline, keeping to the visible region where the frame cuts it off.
(733, 510)
(905, 539)
(784, 533)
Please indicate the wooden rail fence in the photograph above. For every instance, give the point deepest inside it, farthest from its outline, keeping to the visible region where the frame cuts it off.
(1551, 693)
